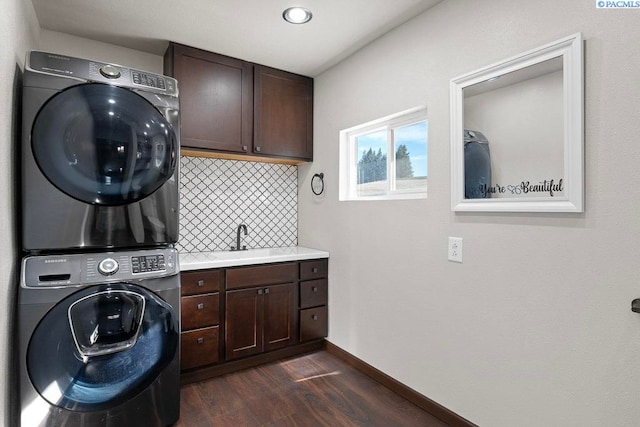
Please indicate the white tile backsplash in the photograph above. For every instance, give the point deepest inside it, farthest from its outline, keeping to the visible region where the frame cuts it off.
(217, 195)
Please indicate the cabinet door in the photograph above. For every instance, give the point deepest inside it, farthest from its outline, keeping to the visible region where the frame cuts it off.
(283, 114)
(243, 326)
(216, 99)
(279, 316)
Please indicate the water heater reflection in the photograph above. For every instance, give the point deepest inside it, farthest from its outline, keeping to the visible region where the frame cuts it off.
(477, 165)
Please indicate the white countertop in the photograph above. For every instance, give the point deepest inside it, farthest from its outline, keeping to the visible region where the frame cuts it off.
(203, 260)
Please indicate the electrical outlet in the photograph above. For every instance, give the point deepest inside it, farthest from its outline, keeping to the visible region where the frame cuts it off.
(455, 249)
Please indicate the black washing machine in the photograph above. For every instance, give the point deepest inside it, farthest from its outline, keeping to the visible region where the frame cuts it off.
(100, 156)
(99, 339)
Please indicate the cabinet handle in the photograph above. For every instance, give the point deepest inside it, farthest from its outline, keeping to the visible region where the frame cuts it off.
(257, 149)
(200, 283)
(314, 289)
(200, 341)
(314, 270)
(314, 317)
(266, 291)
(245, 148)
(259, 291)
(200, 306)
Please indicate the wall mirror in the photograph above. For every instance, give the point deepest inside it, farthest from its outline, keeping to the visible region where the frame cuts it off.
(517, 133)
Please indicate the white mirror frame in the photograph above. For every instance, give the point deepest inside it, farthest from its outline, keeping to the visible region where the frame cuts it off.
(570, 49)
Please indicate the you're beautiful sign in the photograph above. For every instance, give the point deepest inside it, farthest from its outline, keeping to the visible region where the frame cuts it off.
(525, 188)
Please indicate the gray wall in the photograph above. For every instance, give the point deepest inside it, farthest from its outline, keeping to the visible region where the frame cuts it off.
(535, 327)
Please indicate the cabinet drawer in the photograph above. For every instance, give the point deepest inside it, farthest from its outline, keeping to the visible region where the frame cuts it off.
(199, 347)
(200, 310)
(314, 269)
(200, 282)
(313, 293)
(313, 323)
(261, 275)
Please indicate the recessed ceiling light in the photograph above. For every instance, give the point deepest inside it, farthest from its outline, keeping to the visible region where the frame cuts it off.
(297, 15)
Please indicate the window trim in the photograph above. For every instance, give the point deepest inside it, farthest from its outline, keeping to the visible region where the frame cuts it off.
(349, 155)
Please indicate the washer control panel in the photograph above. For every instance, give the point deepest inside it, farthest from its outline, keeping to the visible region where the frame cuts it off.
(81, 269)
(147, 263)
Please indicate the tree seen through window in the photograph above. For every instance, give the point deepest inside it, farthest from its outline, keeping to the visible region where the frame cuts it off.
(373, 165)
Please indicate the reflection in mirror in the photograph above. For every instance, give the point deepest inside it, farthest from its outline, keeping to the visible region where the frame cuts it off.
(477, 166)
(514, 117)
(517, 133)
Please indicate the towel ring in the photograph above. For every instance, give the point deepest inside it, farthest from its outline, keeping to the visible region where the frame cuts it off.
(317, 183)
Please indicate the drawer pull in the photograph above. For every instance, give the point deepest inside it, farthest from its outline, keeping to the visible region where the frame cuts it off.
(314, 317)
(200, 341)
(259, 291)
(314, 270)
(314, 289)
(200, 306)
(200, 283)
(266, 291)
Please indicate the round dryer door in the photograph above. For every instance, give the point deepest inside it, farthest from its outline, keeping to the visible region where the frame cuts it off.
(101, 346)
(103, 144)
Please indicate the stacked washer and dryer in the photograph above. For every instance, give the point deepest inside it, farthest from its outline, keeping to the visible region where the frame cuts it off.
(98, 302)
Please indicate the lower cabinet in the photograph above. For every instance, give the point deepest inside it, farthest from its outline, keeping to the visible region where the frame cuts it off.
(238, 312)
(314, 291)
(259, 319)
(200, 316)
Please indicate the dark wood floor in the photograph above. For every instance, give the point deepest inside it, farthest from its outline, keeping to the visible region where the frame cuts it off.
(315, 389)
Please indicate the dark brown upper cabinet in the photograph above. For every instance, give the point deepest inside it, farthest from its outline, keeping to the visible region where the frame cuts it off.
(216, 99)
(283, 113)
(232, 108)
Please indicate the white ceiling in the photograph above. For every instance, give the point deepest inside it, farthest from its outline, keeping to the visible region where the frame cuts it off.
(252, 30)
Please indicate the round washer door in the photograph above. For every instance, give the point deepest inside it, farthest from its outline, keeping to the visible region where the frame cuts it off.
(101, 346)
(103, 145)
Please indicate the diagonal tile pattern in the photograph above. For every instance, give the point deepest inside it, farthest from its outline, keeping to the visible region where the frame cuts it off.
(217, 195)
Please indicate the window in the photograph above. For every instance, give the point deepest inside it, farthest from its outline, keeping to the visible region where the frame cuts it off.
(385, 159)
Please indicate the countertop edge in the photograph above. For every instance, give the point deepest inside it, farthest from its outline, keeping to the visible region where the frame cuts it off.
(209, 260)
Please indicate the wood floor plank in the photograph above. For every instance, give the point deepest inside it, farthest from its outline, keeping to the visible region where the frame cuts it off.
(314, 390)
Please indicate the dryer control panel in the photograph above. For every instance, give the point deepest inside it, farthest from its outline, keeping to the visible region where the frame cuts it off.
(86, 269)
(102, 72)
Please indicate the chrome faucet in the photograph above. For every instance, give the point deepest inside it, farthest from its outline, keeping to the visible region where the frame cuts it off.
(238, 238)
